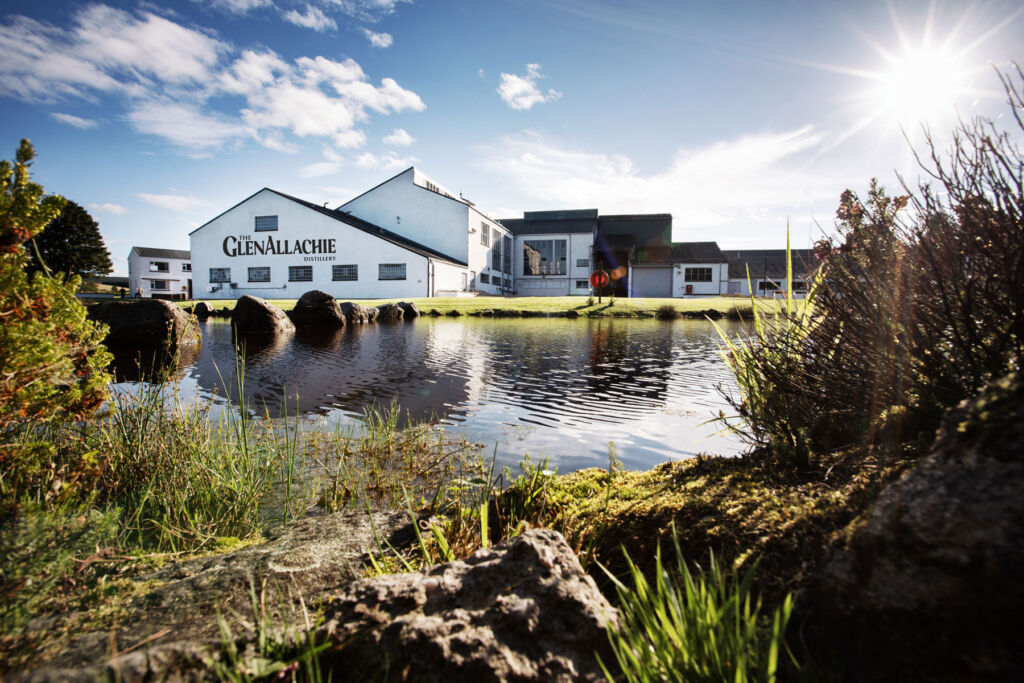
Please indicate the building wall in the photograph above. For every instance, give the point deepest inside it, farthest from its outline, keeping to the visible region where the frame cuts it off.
(449, 279)
(577, 277)
(297, 222)
(416, 213)
(141, 276)
(717, 285)
(479, 260)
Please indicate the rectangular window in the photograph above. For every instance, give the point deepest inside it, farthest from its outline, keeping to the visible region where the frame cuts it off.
(582, 284)
(582, 263)
(506, 254)
(158, 284)
(391, 271)
(266, 223)
(485, 279)
(259, 274)
(300, 273)
(345, 273)
(698, 275)
(496, 252)
(159, 267)
(769, 285)
(220, 275)
(544, 257)
(485, 235)
(507, 283)
(186, 267)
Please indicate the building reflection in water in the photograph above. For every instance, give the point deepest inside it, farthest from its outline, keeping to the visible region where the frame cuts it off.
(550, 387)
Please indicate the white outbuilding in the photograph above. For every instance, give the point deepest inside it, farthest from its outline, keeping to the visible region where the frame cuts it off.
(276, 246)
(159, 273)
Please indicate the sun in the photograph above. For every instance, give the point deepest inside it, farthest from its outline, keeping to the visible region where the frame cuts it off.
(921, 86)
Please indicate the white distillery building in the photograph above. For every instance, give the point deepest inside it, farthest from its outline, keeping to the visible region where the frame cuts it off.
(415, 207)
(276, 246)
(160, 273)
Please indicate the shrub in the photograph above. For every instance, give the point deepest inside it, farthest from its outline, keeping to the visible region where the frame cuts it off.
(917, 312)
(666, 312)
(51, 357)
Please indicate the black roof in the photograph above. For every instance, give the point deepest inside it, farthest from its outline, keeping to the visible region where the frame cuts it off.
(520, 226)
(153, 252)
(353, 221)
(647, 229)
(696, 252)
(770, 263)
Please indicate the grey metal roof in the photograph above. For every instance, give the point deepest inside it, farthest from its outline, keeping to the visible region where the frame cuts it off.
(769, 263)
(647, 229)
(696, 252)
(522, 226)
(153, 252)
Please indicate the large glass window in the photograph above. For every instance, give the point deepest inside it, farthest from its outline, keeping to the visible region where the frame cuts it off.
(496, 252)
(345, 273)
(506, 255)
(300, 273)
(158, 284)
(266, 223)
(698, 275)
(259, 274)
(485, 235)
(544, 257)
(391, 271)
(159, 267)
(220, 275)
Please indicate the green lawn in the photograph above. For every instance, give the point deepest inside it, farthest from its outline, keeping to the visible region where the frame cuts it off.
(729, 306)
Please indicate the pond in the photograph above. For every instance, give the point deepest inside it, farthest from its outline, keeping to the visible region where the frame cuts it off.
(562, 389)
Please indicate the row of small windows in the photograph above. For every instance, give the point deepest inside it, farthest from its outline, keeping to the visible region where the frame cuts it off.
(697, 275)
(340, 273)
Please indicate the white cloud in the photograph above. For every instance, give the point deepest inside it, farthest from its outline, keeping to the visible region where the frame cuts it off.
(521, 92)
(481, 73)
(388, 161)
(167, 75)
(713, 192)
(367, 10)
(314, 18)
(185, 126)
(115, 209)
(331, 155)
(174, 202)
(399, 138)
(239, 6)
(378, 39)
(76, 121)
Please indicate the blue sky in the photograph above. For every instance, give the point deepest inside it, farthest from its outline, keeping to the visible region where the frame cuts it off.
(732, 116)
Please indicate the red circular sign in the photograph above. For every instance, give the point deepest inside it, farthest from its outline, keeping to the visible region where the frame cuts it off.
(599, 279)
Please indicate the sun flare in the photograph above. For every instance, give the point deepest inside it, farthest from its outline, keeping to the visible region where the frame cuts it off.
(921, 85)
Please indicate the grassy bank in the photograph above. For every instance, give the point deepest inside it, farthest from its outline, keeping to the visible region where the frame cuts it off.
(725, 306)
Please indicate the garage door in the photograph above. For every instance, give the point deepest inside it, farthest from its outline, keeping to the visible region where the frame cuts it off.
(652, 282)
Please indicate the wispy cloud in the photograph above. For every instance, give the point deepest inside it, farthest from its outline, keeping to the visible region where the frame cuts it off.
(174, 202)
(719, 191)
(239, 6)
(320, 169)
(389, 161)
(185, 125)
(521, 92)
(378, 39)
(115, 209)
(313, 18)
(76, 121)
(366, 10)
(399, 138)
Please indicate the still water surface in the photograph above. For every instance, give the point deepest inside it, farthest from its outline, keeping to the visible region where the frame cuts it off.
(557, 388)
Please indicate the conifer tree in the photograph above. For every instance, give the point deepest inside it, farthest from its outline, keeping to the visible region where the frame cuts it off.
(70, 245)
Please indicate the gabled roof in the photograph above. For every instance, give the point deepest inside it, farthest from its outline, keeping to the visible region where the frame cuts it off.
(696, 252)
(769, 263)
(352, 221)
(153, 252)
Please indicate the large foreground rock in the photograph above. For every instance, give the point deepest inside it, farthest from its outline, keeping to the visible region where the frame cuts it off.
(145, 323)
(389, 313)
(253, 315)
(357, 313)
(318, 310)
(308, 560)
(929, 586)
(522, 611)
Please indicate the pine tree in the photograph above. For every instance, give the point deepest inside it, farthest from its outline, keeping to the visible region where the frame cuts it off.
(70, 245)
